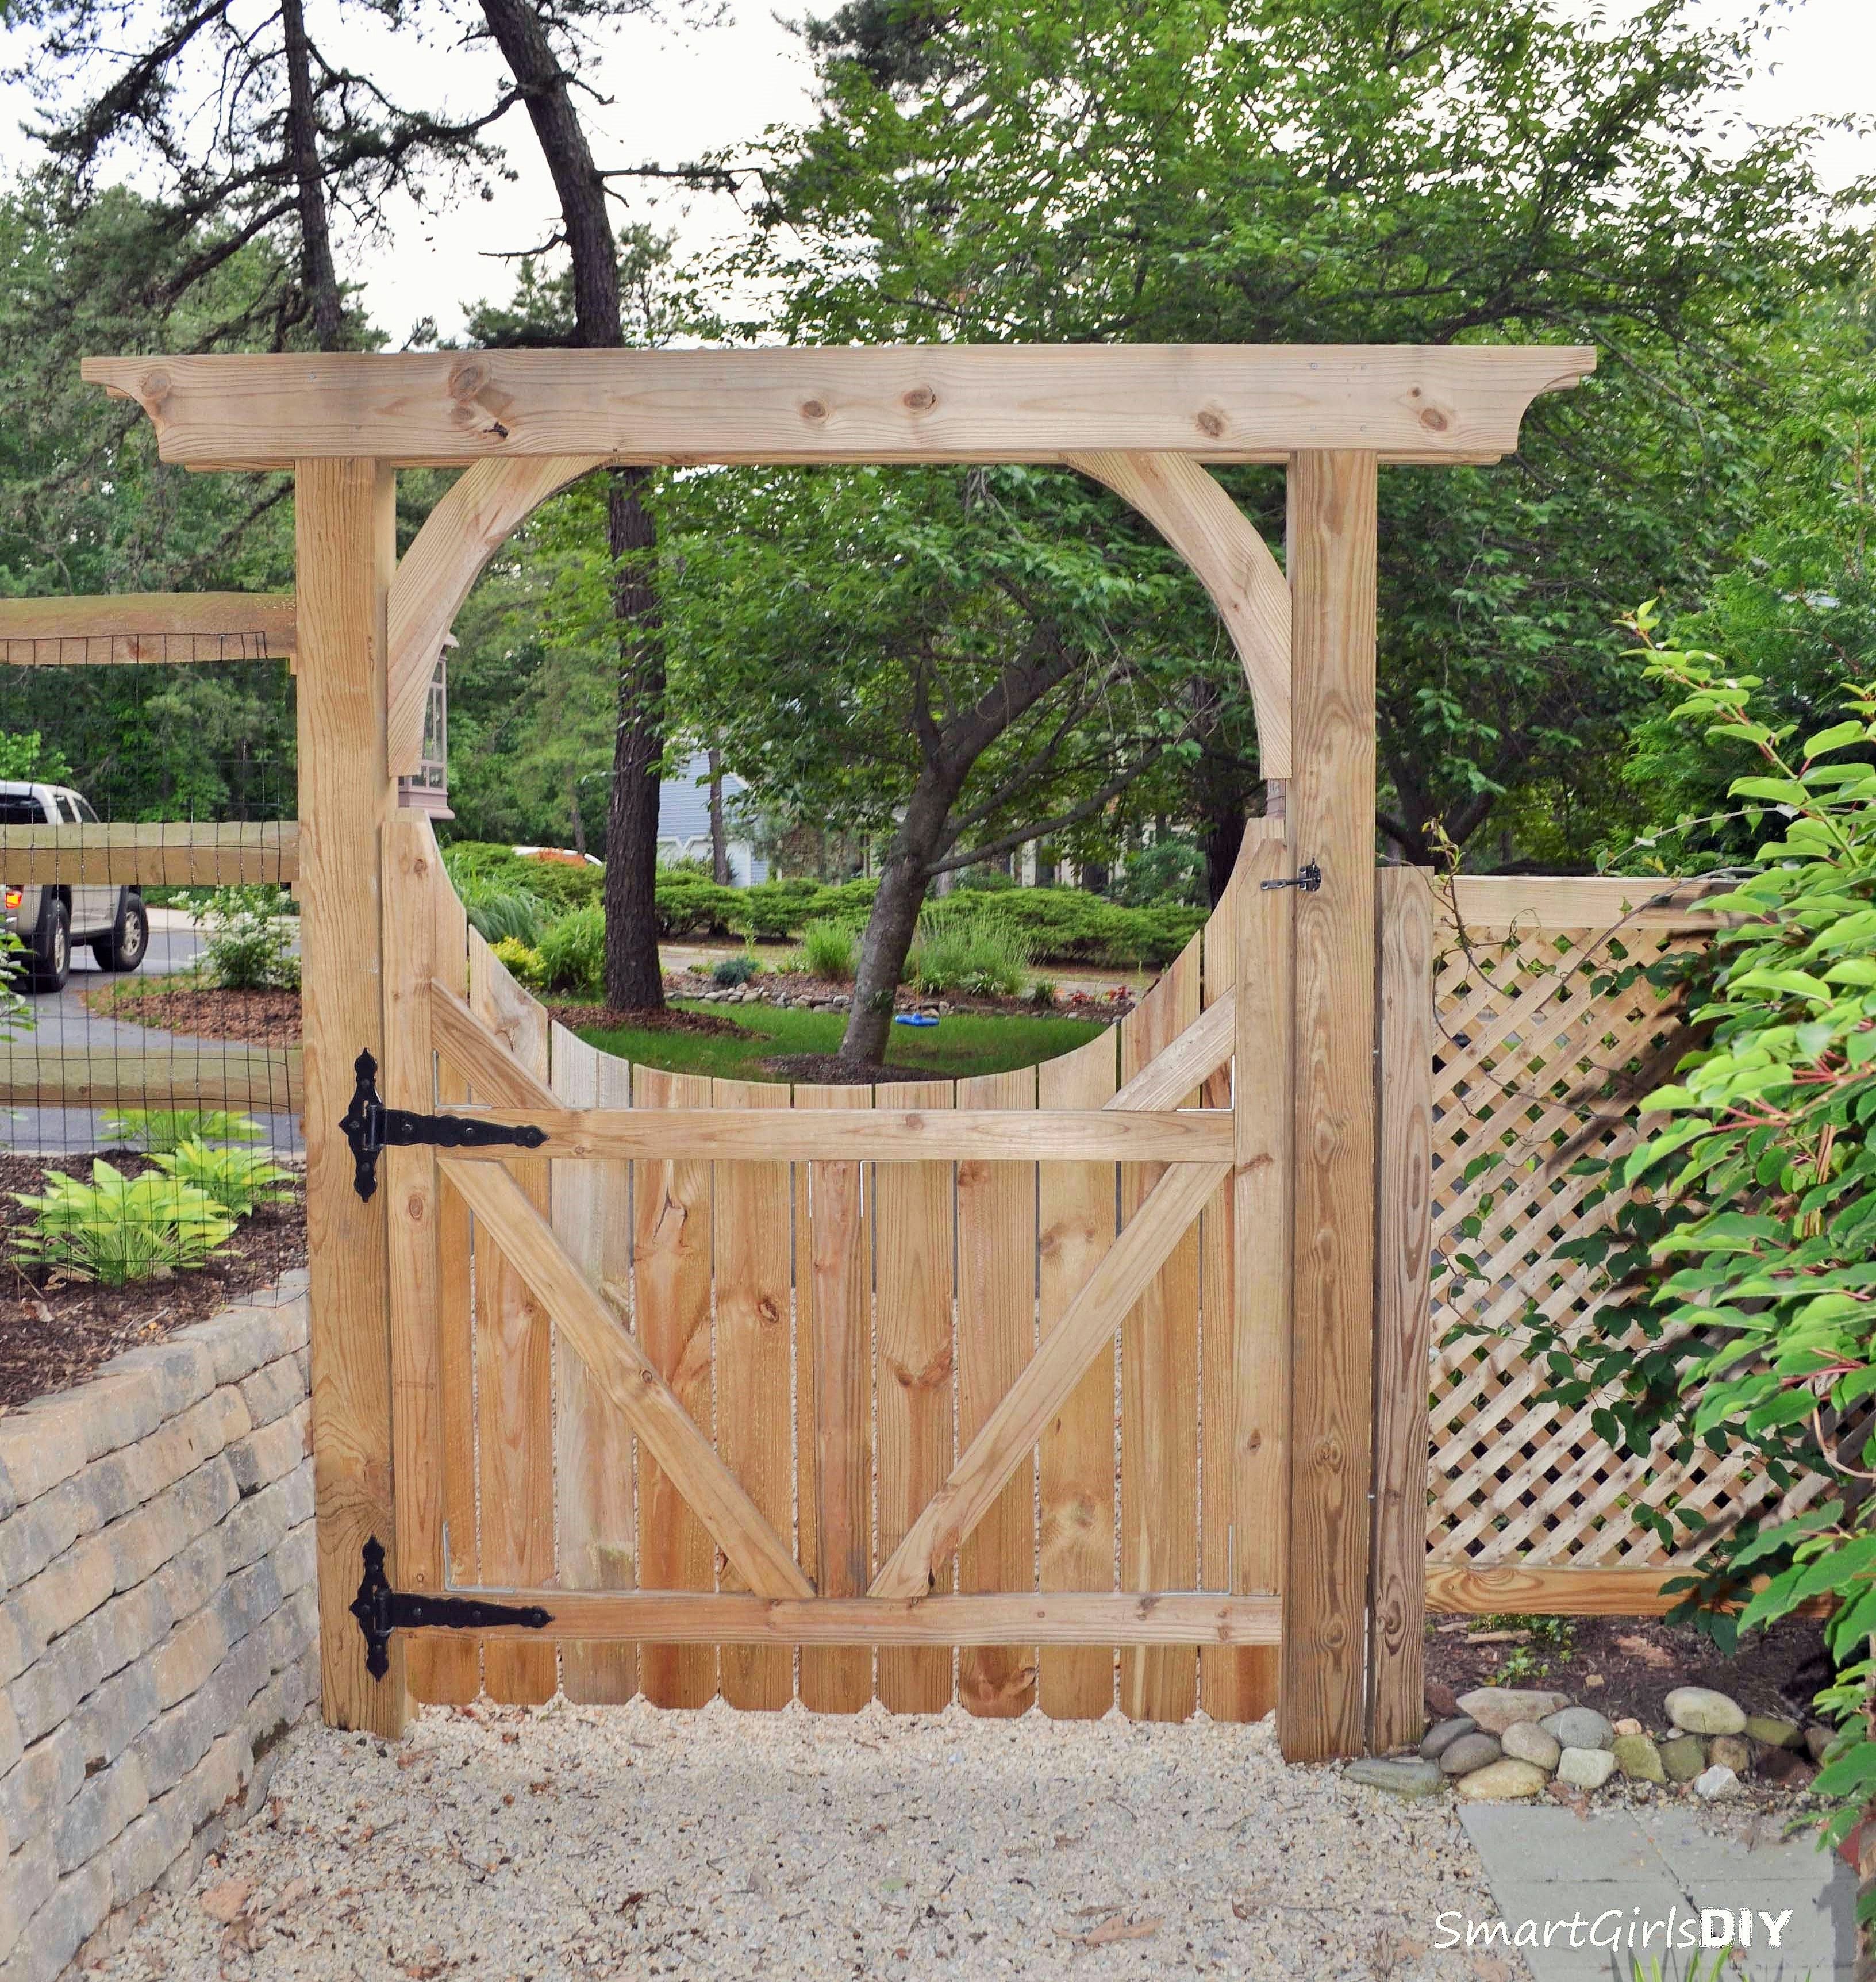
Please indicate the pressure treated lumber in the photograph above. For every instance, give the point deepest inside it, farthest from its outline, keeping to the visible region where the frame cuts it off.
(408, 1185)
(1050, 1374)
(873, 1135)
(1189, 509)
(1321, 1697)
(486, 1059)
(1403, 1308)
(610, 1351)
(122, 628)
(227, 1074)
(434, 577)
(684, 1616)
(344, 518)
(1589, 902)
(1551, 1590)
(912, 402)
(174, 853)
(1183, 1064)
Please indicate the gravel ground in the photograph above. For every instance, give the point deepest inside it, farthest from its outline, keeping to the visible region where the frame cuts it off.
(572, 1842)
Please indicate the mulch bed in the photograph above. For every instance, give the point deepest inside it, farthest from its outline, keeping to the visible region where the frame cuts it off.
(827, 1070)
(605, 1018)
(1638, 1661)
(257, 1018)
(52, 1336)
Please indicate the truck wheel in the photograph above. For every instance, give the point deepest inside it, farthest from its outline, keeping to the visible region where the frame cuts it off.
(129, 941)
(51, 947)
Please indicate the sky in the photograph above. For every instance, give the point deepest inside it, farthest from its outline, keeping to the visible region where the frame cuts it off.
(675, 93)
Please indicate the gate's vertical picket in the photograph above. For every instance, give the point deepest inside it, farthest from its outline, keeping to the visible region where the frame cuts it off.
(834, 1411)
(996, 1336)
(408, 1181)
(1220, 1690)
(515, 1367)
(671, 1308)
(1159, 1391)
(1264, 1109)
(1403, 1308)
(593, 1446)
(1077, 1224)
(913, 1204)
(754, 1405)
(453, 1663)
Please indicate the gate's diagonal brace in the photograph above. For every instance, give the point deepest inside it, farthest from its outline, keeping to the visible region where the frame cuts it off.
(1012, 1429)
(371, 1128)
(380, 1610)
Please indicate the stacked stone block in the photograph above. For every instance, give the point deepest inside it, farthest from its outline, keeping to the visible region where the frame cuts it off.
(158, 1619)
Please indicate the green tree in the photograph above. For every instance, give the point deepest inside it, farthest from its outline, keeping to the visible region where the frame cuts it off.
(1362, 171)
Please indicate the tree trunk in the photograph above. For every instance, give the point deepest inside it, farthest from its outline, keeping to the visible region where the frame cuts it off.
(894, 921)
(318, 277)
(719, 839)
(634, 981)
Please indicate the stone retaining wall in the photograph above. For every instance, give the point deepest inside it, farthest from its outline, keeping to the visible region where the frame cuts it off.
(159, 1621)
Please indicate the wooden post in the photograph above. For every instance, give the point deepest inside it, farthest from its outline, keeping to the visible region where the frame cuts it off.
(344, 528)
(1403, 1308)
(1321, 1703)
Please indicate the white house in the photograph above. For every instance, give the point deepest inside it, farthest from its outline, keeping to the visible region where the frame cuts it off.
(683, 821)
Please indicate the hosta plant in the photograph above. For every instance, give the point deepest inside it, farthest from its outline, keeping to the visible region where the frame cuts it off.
(117, 1229)
(161, 1129)
(236, 1179)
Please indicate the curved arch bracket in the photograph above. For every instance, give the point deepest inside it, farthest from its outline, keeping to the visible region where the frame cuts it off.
(433, 577)
(1185, 503)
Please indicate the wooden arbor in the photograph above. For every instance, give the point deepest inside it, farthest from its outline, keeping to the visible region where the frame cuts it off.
(1300, 1140)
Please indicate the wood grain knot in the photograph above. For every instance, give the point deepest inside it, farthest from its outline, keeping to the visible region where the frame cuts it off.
(812, 409)
(934, 1372)
(1433, 419)
(415, 1206)
(766, 1312)
(920, 399)
(1209, 424)
(154, 388)
(467, 379)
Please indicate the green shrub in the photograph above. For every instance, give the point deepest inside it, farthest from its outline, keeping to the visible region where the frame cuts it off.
(573, 953)
(1168, 872)
(687, 907)
(116, 1229)
(163, 1130)
(520, 962)
(501, 911)
(249, 946)
(236, 1179)
(828, 950)
(728, 971)
(982, 956)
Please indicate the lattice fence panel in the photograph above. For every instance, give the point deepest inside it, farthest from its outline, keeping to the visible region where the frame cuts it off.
(1532, 1063)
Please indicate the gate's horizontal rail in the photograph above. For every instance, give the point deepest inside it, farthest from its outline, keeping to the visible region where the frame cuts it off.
(175, 853)
(695, 1617)
(868, 1134)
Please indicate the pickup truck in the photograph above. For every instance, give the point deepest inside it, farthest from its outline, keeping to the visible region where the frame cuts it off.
(49, 919)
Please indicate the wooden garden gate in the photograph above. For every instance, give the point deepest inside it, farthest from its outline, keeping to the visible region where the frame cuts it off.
(1304, 1584)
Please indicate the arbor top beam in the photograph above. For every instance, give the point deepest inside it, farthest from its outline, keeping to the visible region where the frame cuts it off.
(1222, 403)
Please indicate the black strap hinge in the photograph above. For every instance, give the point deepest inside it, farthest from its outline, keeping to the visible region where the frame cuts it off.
(380, 1610)
(370, 1127)
(1308, 878)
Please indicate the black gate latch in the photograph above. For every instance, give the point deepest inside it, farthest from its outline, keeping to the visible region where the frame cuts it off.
(1308, 878)
(370, 1127)
(380, 1610)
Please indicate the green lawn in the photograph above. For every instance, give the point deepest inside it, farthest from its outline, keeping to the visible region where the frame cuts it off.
(953, 1048)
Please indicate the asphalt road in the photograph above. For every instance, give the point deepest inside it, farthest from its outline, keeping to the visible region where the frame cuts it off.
(61, 1021)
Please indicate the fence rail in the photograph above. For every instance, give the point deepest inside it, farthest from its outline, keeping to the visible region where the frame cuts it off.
(179, 853)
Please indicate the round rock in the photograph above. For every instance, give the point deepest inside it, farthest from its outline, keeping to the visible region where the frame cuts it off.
(1585, 1768)
(1476, 1750)
(1774, 1733)
(1700, 1710)
(1496, 1708)
(1638, 1759)
(1580, 1727)
(1440, 1736)
(1502, 1782)
(1526, 1742)
(1730, 1751)
(1684, 1758)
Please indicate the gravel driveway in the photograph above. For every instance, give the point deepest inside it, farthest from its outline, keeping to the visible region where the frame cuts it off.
(573, 1842)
